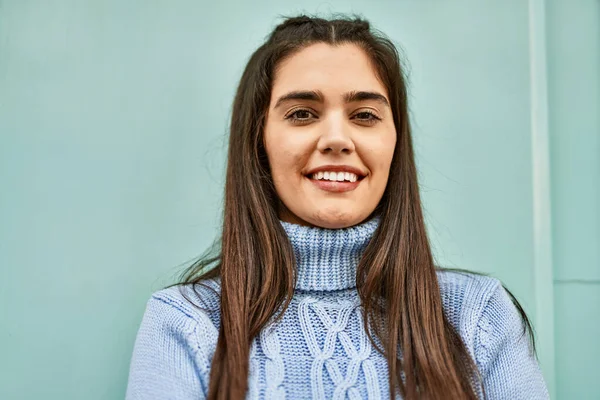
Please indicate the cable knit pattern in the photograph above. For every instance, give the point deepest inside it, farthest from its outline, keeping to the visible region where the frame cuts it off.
(274, 367)
(319, 349)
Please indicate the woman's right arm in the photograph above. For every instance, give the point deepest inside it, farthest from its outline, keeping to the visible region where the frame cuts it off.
(170, 358)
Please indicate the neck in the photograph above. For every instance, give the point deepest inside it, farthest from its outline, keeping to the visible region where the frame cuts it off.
(327, 259)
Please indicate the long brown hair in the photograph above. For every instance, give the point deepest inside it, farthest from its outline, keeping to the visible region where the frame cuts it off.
(396, 277)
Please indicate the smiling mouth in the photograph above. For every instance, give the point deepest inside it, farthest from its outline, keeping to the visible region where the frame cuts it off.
(358, 179)
(336, 186)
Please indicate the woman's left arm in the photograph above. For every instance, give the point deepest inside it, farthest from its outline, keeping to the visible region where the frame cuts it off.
(504, 354)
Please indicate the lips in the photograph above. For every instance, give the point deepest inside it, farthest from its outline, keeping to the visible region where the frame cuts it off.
(338, 168)
(335, 186)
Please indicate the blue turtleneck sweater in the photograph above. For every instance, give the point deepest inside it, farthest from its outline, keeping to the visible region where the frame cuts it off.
(319, 350)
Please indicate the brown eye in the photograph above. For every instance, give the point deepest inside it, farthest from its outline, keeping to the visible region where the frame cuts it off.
(300, 116)
(367, 116)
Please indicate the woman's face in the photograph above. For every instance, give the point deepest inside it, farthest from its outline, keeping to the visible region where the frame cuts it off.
(329, 115)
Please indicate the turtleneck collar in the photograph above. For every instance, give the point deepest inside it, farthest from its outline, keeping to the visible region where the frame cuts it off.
(327, 259)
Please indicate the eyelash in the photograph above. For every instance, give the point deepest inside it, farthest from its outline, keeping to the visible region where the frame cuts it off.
(300, 121)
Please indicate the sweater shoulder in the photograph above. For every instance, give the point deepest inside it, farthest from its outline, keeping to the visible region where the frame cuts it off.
(175, 344)
(466, 289)
(465, 297)
(199, 302)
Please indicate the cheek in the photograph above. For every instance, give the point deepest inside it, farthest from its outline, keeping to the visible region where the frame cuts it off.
(287, 157)
(379, 154)
(285, 167)
(388, 146)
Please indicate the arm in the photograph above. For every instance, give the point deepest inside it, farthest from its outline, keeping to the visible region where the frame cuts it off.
(169, 361)
(504, 355)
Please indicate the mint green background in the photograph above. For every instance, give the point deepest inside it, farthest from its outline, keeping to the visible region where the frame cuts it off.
(113, 120)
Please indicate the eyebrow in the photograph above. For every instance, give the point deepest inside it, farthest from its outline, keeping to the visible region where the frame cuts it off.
(317, 95)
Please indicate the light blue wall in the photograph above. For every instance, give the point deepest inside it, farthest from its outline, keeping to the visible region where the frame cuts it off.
(574, 99)
(113, 119)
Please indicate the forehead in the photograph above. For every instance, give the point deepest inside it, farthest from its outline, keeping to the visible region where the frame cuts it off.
(331, 69)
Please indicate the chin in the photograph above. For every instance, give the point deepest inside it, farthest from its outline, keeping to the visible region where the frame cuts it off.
(332, 221)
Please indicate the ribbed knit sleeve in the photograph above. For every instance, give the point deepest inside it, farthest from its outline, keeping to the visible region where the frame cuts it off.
(503, 353)
(170, 359)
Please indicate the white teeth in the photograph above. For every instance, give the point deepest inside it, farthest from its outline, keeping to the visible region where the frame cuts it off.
(335, 176)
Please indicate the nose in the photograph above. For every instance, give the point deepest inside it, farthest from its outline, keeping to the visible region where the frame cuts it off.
(336, 136)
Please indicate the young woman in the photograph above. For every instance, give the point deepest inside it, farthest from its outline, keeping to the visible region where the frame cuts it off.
(324, 285)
